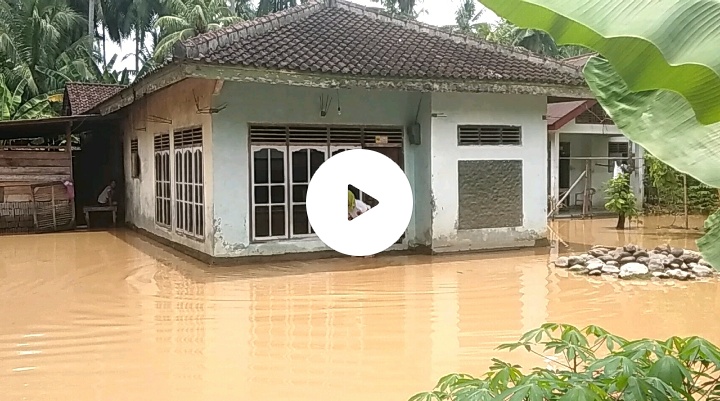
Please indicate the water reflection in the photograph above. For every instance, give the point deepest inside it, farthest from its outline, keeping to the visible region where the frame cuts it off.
(111, 316)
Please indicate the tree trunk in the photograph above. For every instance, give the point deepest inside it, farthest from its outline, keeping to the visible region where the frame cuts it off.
(137, 52)
(91, 22)
(621, 222)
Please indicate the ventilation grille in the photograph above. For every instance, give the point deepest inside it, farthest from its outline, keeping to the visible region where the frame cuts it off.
(618, 149)
(187, 138)
(133, 146)
(162, 142)
(383, 135)
(324, 135)
(490, 135)
(594, 115)
(268, 134)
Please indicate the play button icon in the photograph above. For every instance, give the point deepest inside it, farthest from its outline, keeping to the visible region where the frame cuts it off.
(375, 175)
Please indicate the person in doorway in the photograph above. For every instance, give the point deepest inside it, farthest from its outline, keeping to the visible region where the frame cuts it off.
(356, 207)
(106, 196)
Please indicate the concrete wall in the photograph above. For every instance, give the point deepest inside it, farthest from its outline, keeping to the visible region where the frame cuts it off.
(257, 103)
(525, 111)
(176, 103)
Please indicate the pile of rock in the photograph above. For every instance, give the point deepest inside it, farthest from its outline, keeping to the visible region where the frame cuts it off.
(630, 262)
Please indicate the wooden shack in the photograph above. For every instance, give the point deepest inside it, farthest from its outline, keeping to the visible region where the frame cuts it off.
(36, 173)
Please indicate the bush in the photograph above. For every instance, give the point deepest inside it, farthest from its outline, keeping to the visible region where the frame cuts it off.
(675, 369)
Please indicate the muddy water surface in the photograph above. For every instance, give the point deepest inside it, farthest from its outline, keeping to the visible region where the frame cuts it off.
(110, 316)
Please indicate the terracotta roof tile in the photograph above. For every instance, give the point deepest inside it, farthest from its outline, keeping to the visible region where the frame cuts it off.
(82, 97)
(347, 39)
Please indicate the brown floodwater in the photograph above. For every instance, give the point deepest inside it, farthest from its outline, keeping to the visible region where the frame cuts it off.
(111, 316)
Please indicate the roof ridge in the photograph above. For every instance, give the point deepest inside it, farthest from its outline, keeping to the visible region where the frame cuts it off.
(210, 41)
(94, 83)
(517, 52)
(580, 56)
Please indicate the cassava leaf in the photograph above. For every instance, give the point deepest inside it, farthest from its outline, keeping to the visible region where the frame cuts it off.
(658, 44)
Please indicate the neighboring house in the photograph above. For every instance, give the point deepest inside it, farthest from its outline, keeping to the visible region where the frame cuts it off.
(582, 135)
(221, 142)
(79, 97)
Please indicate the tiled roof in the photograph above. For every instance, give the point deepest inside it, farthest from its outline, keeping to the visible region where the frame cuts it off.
(82, 97)
(341, 38)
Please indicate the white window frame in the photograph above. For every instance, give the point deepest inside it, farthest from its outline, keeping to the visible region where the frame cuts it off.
(162, 201)
(291, 186)
(181, 203)
(284, 150)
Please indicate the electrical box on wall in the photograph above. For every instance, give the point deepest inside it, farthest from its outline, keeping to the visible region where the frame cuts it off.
(414, 134)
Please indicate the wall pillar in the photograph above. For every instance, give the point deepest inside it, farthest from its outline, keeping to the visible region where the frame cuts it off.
(554, 138)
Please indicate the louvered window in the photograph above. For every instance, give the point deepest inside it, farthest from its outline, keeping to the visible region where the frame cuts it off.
(162, 179)
(134, 158)
(489, 135)
(189, 188)
(615, 150)
(285, 158)
(594, 115)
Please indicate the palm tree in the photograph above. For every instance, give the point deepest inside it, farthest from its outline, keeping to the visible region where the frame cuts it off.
(42, 43)
(188, 18)
(401, 7)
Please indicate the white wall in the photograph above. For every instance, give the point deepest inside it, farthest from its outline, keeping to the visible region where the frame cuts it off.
(523, 110)
(176, 103)
(258, 103)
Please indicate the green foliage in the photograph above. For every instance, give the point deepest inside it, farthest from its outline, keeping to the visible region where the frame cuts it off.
(13, 105)
(400, 7)
(593, 365)
(188, 18)
(620, 197)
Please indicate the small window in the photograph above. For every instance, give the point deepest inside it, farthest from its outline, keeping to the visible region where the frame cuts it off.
(594, 115)
(489, 135)
(617, 149)
(134, 158)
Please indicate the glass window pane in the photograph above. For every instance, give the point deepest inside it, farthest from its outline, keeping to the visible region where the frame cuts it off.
(300, 165)
(200, 166)
(316, 159)
(277, 166)
(299, 193)
(301, 225)
(262, 221)
(260, 165)
(278, 221)
(277, 194)
(262, 195)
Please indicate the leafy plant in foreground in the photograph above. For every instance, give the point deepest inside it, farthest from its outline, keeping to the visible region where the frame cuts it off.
(593, 365)
(621, 199)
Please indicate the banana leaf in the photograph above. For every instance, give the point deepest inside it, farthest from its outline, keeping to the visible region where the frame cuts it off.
(652, 44)
(664, 123)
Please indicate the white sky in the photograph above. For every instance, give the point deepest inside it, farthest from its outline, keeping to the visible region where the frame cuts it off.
(436, 12)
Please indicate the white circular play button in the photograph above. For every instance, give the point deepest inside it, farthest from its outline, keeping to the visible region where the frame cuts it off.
(375, 175)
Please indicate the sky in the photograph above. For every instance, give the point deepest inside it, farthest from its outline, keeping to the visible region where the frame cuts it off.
(436, 12)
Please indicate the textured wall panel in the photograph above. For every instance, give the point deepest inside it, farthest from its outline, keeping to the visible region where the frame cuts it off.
(490, 194)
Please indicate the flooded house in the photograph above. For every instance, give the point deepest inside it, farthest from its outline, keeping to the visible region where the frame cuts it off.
(220, 142)
(584, 144)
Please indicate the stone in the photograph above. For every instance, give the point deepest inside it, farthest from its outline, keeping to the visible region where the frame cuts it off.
(610, 269)
(667, 261)
(702, 271)
(663, 248)
(562, 262)
(674, 266)
(595, 272)
(630, 248)
(597, 252)
(678, 261)
(580, 269)
(613, 263)
(627, 259)
(643, 259)
(678, 274)
(684, 267)
(690, 257)
(677, 252)
(606, 258)
(633, 270)
(654, 266)
(661, 275)
(595, 265)
(703, 262)
(641, 254)
(575, 260)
